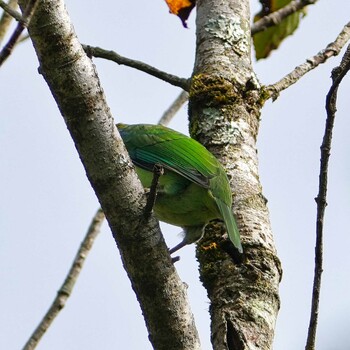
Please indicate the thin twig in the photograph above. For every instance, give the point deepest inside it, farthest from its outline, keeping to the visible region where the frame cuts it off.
(144, 67)
(6, 18)
(332, 49)
(158, 171)
(8, 8)
(173, 108)
(321, 199)
(67, 287)
(276, 17)
(24, 21)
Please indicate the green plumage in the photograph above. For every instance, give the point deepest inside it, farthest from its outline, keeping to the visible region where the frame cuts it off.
(194, 188)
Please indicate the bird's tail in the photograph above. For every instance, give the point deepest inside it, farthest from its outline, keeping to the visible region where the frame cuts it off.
(231, 225)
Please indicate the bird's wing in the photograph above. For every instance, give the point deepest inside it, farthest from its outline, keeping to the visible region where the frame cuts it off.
(154, 144)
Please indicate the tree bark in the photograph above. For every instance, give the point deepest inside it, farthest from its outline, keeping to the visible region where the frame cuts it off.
(74, 83)
(224, 114)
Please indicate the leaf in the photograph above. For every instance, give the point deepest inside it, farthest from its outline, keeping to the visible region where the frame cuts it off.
(271, 38)
(181, 8)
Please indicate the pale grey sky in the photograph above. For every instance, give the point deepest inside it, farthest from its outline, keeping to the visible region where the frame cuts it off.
(46, 202)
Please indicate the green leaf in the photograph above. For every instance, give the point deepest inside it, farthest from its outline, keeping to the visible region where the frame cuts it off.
(271, 38)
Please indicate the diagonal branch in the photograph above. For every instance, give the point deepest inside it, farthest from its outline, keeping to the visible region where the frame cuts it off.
(321, 199)
(6, 17)
(8, 8)
(331, 50)
(276, 17)
(67, 287)
(23, 23)
(173, 108)
(144, 67)
(75, 85)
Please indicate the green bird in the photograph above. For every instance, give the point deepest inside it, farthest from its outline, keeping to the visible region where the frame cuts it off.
(193, 188)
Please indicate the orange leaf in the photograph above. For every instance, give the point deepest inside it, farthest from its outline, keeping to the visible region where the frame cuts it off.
(181, 8)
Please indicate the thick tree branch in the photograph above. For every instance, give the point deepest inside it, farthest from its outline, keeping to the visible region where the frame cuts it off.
(331, 107)
(67, 287)
(75, 86)
(276, 17)
(224, 112)
(23, 23)
(144, 67)
(331, 50)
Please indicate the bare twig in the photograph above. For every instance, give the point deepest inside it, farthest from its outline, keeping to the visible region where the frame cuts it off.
(331, 105)
(9, 9)
(6, 17)
(115, 57)
(23, 22)
(276, 17)
(158, 171)
(173, 108)
(68, 284)
(332, 49)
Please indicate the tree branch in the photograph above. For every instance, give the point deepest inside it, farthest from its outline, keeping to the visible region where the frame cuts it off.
(76, 88)
(67, 287)
(94, 229)
(8, 8)
(224, 111)
(331, 106)
(6, 17)
(23, 22)
(331, 50)
(173, 108)
(276, 17)
(144, 67)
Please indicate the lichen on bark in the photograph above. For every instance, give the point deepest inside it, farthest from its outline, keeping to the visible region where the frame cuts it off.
(224, 109)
